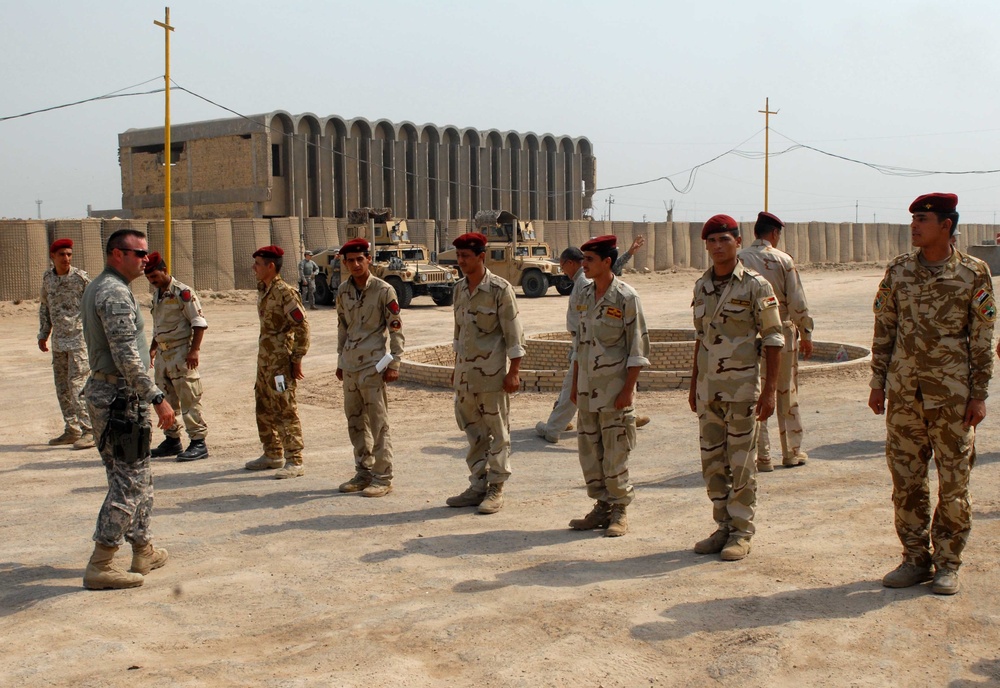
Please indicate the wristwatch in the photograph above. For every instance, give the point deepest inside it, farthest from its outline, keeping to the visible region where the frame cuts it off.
(158, 399)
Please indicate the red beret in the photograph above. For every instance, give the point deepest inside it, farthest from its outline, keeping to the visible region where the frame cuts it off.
(769, 219)
(269, 252)
(359, 245)
(473, 241)
(935, 203)
(59, 244)
(601, 244)
(154, 261)
(719, 223)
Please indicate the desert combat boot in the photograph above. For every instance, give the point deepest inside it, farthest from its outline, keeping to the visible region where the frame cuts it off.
(145, 558)
(945, 582)
(103, 574)
(907, 575)
(358, 483)
(714, 543)
(738, 547)
(599, 517)
(263, 463)
(493, 501)
(617, 521)
(471, 497)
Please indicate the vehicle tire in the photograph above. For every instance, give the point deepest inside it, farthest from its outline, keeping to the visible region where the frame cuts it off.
(534, 284)
(564, 286)
(404, 291)
(443, 297)
(324, 295)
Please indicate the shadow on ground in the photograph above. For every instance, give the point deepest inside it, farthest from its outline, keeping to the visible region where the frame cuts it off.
(26, 586)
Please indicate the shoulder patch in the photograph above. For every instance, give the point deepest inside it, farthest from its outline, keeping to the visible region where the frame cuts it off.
(395, 325)
(297, 315)
(394, 307)
(881, 299)
(119, 308)
(186, 295)
(768, 302)
(988, 311)
(980, 297)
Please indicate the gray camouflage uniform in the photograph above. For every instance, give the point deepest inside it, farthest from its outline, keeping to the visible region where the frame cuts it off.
(59, 317)
(611, 338)
(119, 360)
(487, 333)
(727, 325)
(308, 269)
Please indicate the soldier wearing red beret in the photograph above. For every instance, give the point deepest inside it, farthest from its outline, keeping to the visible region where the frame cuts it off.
(59, 316)
(932, 360)
(734, 307)
(284, 341)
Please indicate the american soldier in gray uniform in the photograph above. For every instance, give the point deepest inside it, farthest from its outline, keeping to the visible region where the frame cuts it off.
(367, 316)
(178, 330)
(733, 307)
(932, 357)
(119, 393)
(59, 316)
(487, 335)
(308, 269)
(611, 346)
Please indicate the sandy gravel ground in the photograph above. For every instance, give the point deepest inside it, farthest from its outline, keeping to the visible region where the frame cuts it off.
(288, 583)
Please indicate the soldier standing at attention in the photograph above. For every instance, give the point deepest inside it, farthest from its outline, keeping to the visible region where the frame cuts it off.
(778, 268)
(367, 315)
(611, 345)
(283, 342)
(178, 329)
(118, 395)
(487, 334)
(307, 280)
(733, 306)
(59, 316)
(932, 354)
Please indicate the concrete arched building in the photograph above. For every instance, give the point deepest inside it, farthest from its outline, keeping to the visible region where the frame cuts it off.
(278, 164)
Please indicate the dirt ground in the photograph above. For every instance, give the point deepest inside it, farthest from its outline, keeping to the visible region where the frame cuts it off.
(289, 583)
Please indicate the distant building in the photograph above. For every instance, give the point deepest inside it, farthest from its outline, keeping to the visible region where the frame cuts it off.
(277, 164)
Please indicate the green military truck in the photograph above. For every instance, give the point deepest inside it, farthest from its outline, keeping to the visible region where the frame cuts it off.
(516, 255)
(404, 265)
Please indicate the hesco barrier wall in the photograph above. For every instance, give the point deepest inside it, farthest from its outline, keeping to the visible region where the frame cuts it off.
(547, 355)
(668, 244)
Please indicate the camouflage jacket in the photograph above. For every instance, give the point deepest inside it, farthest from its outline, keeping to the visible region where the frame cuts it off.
(612, 337)
(115, 333)
(59, 310)
(308, 270)
(934, 332)
(487, 333)
(176, 310)
(284, 331)
(778, 268)
(620, 263)
(727, 326)
(364, 317)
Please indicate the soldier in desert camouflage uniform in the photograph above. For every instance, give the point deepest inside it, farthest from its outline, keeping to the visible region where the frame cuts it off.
(932, 354)
(487, 334)
(367, 314)
(308, 269)
(796, 327)
(59, 316)
(283, 342)
(119, 360)
(611, 345)
(178, 329)
(733, 306)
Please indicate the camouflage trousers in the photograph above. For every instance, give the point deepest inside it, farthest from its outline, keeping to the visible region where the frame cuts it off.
(70, 370)
(728, 450)
(485, 418)
(182, 388)
(128, 506)
(308, 292)
(787, 405)
(564, 408)
(367, 409)
(278, 419)
(913, 436)
(605, 439)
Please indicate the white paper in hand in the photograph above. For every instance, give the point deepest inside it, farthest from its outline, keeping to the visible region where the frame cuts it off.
(383, 363)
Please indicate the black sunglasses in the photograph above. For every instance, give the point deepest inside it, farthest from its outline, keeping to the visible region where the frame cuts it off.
(138, 254)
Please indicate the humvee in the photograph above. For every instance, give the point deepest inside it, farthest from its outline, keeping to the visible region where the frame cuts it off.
(516, 255)
(404, 265)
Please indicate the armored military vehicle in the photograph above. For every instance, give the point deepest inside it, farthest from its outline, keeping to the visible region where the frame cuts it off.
(516, 255)
(404, 265)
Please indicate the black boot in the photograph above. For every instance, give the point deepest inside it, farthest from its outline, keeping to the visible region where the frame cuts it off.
(168, 447)
(196, 450)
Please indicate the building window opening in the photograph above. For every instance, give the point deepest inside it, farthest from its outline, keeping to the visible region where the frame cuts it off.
(275, 159)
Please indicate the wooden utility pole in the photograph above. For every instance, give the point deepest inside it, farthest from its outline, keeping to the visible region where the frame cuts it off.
(767, 143)
(167, 28)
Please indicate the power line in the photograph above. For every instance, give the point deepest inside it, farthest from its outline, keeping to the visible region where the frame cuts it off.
(106, 96)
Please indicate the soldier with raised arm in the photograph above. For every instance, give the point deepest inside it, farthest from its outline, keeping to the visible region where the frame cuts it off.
(59, 317)
(119, 394)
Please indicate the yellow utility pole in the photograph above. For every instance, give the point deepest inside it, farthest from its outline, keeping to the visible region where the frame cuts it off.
(767, 142)
(167, 28)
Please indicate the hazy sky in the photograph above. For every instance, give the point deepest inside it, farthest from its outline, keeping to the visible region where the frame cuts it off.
(658, 87)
